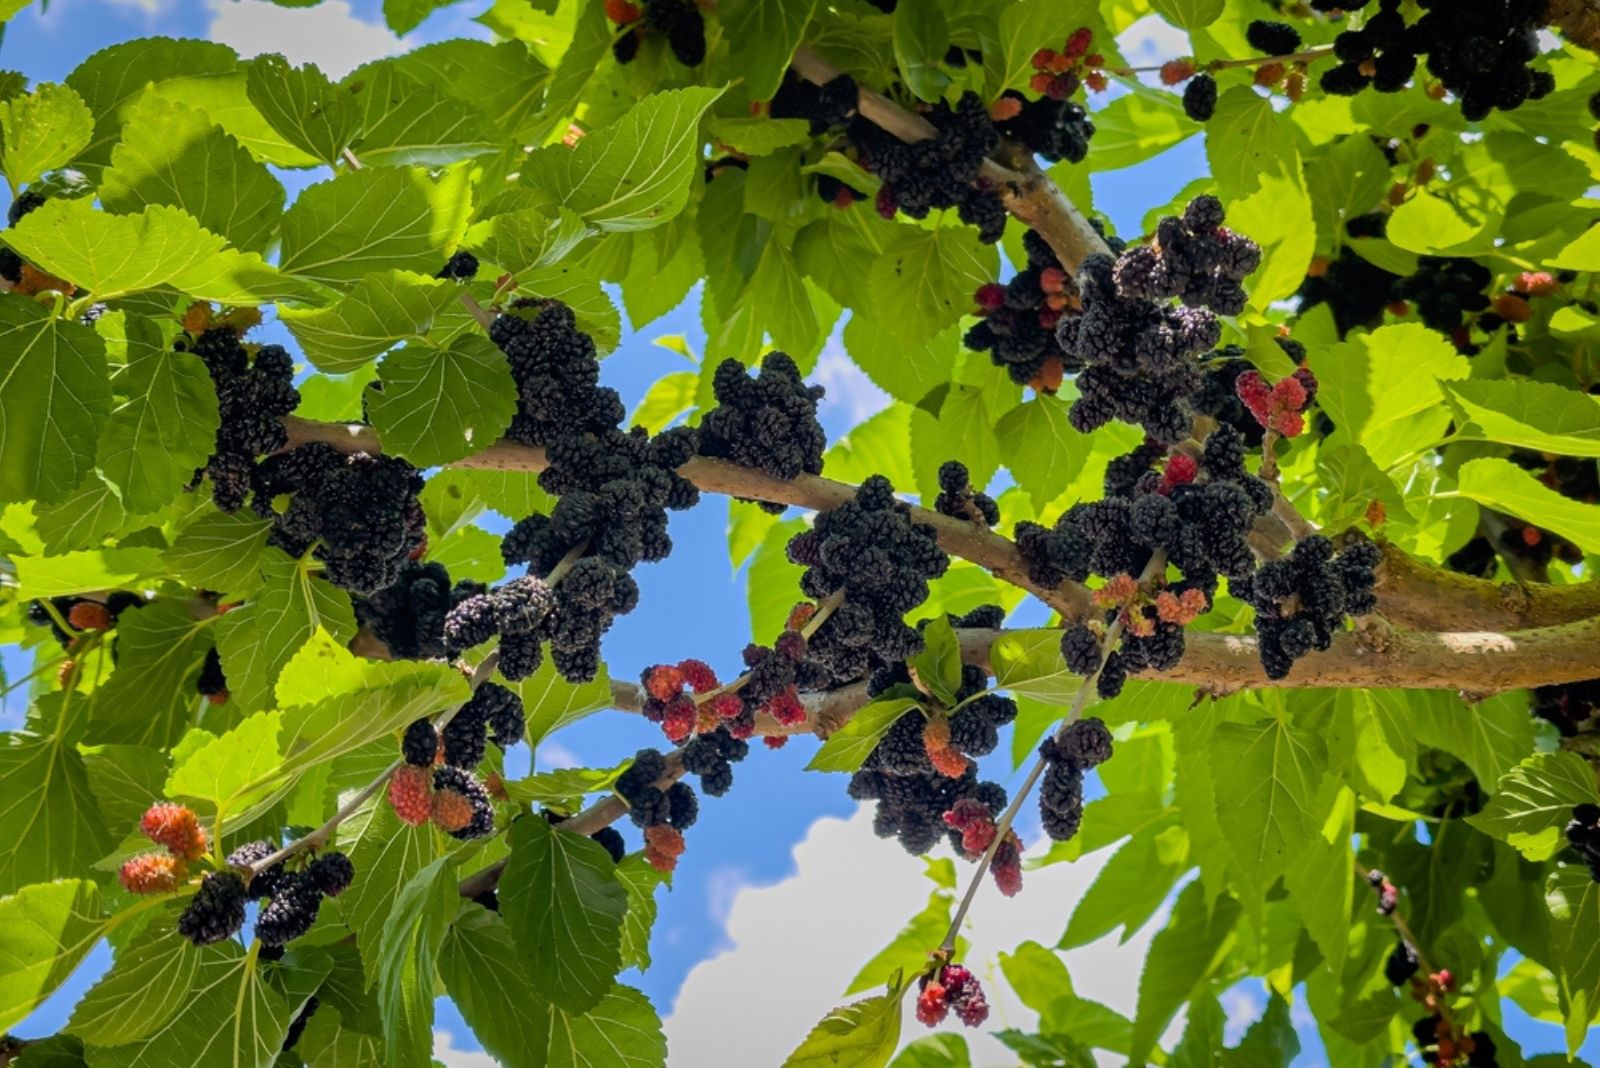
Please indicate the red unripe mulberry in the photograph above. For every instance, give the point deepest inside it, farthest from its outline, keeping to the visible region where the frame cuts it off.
(680, 718)
(1177, 70)
(1536, 283)
(175, 827)
(410, 790)
(87, 615)
(663, 845)
(450, 811)
(785, 707)
(1006, 867)
(1007, 107)
(664, 682)
(1509, 306)
(152, 873)
(698, 674)
(622, 12)
(990, 297)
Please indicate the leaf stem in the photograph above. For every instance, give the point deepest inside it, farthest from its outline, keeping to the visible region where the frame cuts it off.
(1156, 566)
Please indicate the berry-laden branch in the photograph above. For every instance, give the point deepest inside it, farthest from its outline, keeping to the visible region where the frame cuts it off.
(1108, 643)
(1024, 190)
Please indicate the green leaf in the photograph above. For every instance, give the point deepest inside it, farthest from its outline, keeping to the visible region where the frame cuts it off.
(150, 981)
(258, 639)
(1270, 1041)
(1383, 390)
(150, 698)
(80, 572)
(436, 405)
(551, 702)
(520, 241)
(909, 949)
(1277, 216)
(406, 122)
(502, 82)
(55, 401)
(1534, 800)
(633, 174)
(167, 426)
(640, 878)
(387, 854)
(564, 904)
(863, 1034)
(1501, 484)
(173, 154)
(118, 255)
(220, 552)
(1131, 886)
(45, 932)
(1041, 448)
(409, 952)
(217, 770)
(1574, 903)
(1135, 127)
(1434, 226)
(303, 106)
(488, 980)
(762, 36)
(1521, 411)
(1030, 25)
(370, 700)
(1246, 140)
(49, 825)
(934, 1051)
(125, 780)
(1188, 950)
(772, 581)
(938, 666)
(41, 131)
(1321, 882)
(921, 38)
(778, 290)
(360, 222)
(925, 279)
(1029, 664)
(383, 308)
(1189, 14)
(1265, 795)
(847, 747)
(82, 519)
(760, 135)
(667, 398)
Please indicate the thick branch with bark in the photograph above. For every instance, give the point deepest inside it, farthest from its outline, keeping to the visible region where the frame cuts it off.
(1578, 21)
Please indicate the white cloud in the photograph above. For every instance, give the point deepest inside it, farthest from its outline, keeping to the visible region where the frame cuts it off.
(796, 946)
(457, 1058)
(329, 35)
(1152, 40)
(849, 389)
(553, 755)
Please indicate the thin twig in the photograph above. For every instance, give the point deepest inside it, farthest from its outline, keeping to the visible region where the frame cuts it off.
(1002, 828)
(1310, 55)
(350, 158)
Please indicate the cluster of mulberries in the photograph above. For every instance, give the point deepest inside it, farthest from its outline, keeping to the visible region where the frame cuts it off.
(939, 172)
(768, 422)
(925, 765)
(216, 912)
(1193, 258)
(557, 372)
(253, 396)
(952, 987)
(1572, 708)
(424, 788)
(1138, 352)
(679, 21)
(662, 813)
(461, 267)
(1219, 397)
(959, 498)
(1199, 95)
(1355, 291)
(212, 683)
(178, 830)
(1443, 288)
(1018, 318)
(83, 614)
(827, 106)
(360, 512)
(1084, 744)
(293, 897)
(1583, 834)
(408, 616)
(1302, 600)
(1280, 406)
(1056, 129)
(870, 549)
(711, 755)
(1441, 1044)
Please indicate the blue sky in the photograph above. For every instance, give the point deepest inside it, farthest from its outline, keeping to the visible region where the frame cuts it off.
(784, 893)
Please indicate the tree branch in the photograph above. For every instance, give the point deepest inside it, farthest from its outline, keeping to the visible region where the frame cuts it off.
(1578, 21)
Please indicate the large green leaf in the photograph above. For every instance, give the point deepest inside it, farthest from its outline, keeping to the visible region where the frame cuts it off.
(1573, 899)
(80, 572)
(360, 222)
(633, 174)
(54, 398)
(440, 405)
(502, 82)
(220, 552)
(45, 931)
(117, 255)
(863, 1034)
(409, 953)
(1131, 886)
(218, 773)
(1187, 951)
(1322, 882)
(925, 278)
(386, 854)
(762, 36)
(562, 900)
(381, 309)
(49, 825)
(847, 747)
(258, 639)
(622, 1031)
(1265, 776)
(908, 951)
(1029, 664)
(150, 981)
(640, 878)
(165, 428)
(1383, 389)
(921, 38)
(303, 106)
(1521, 411)
(1533, 802)
(1135, 127)
(1501, 484)
(382, 699)
(552, 702)
(405, 121)
(150, 698)
(41, 131)
(1041, 448)
(488, 980)
(173, 154)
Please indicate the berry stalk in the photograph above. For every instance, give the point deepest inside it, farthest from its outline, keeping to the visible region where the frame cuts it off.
(1309, 55)
(1002, 827)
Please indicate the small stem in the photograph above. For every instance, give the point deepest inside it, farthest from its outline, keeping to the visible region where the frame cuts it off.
(1410, 939)
(61, 621)
(1310, 55)
(29, 677)
(565, 564)
(315, 838)
(350, 158)
(483, 317)
(1002, 828)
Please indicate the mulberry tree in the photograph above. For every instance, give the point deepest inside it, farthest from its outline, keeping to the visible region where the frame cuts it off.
(1250, 541)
